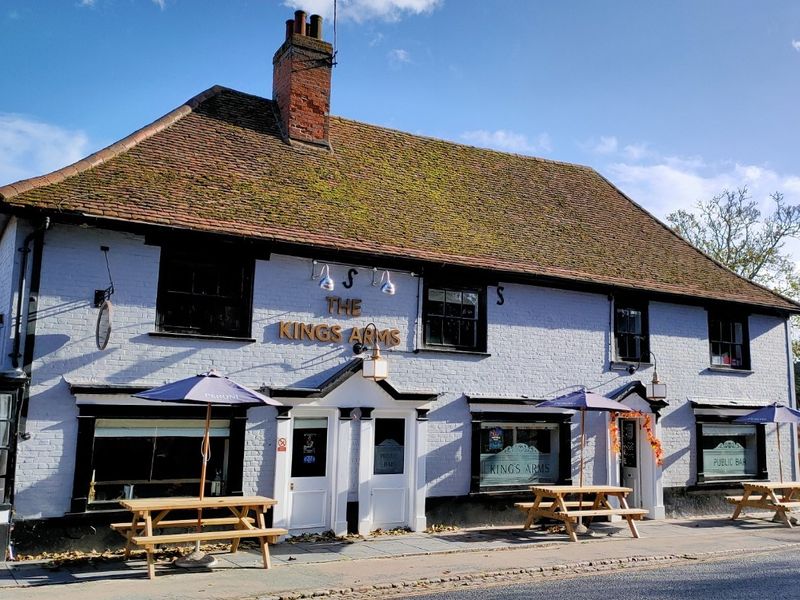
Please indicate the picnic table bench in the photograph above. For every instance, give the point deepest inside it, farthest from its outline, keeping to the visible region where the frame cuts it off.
(780, 497)
(551, 502)
(149, 516)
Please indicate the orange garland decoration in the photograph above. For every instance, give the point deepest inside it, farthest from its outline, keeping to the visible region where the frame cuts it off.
(647, 425)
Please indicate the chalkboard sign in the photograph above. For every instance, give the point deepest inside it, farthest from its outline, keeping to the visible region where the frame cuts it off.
(629, 443)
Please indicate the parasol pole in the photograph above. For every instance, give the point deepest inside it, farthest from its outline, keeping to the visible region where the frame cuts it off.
(580, 479)
(205, 452)
(780, 461)
(583, 442)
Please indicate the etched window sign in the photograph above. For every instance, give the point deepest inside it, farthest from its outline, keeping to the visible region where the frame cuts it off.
(729, 450)
(389, 446)
(518, 464)
(728, 458)
(389, 458)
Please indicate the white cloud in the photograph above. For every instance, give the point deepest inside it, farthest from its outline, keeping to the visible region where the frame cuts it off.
(605, 145)
(609, 145)
(635, 152)
(509, 141)
(29, 147)
(398, 56)
(672, 183)
(162, 4)
(796, 45)
(363, 10)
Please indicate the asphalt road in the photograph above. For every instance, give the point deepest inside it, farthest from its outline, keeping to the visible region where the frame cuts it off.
(738, 577)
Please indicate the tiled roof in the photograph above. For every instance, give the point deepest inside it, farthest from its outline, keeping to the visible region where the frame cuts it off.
(219, 164)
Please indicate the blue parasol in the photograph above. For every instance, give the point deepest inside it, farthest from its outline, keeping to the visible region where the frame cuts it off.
(774, 413)
(582, 400)
(210, 388)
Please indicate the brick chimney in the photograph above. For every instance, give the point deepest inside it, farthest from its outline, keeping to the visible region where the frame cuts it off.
(301, 80)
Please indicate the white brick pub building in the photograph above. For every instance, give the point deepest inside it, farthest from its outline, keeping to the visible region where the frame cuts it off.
(516, 280)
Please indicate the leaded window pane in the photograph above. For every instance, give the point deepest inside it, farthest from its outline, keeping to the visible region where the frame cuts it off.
(452, 318)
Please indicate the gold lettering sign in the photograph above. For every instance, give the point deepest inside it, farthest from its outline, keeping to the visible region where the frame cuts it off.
(350, 307)
(322, 332)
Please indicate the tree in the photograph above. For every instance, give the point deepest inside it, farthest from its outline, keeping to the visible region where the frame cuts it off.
(731, 229)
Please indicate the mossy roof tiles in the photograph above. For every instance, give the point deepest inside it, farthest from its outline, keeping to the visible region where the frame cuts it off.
(219, 164)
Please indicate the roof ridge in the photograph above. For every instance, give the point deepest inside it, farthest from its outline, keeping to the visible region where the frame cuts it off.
(692, 246)
(431, 138)
(104, 154)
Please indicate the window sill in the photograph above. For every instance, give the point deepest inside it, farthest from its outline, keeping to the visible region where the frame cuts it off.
(624, 365)
(729, 370)
(722, 484)
(203, 336)
(452, 351)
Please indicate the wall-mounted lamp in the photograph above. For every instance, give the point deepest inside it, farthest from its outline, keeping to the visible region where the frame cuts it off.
(326, 283)
(376, 366)
(387, 286)
(655, 390)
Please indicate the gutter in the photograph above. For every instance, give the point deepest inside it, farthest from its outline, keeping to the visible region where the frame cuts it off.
(25, 350)
(787, 326)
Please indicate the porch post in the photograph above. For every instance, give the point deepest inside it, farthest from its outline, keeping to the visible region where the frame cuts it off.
(343, 457)
(281, 510)
(419, 521)
(365, 465)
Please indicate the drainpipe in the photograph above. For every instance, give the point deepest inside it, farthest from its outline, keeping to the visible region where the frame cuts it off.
(23, 271)
(787, 326)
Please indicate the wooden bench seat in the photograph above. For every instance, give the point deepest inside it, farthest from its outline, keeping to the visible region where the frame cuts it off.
(609, 512)
(182, 523)
(733, 499)
(272, 534)
(552, 503)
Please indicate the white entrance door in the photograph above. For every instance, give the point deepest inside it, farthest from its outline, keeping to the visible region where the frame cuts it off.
(310, 481)
(392, 468)
(629, 462)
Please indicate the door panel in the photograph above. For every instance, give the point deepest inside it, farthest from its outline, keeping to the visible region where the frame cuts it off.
(310, 480)
(391, 481)
(389, 506)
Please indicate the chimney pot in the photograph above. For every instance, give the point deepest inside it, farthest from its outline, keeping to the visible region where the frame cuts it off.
(300, 22)
(301, 81)
(316, 27)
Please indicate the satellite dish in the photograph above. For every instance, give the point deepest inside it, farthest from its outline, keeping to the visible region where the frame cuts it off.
(103, 330)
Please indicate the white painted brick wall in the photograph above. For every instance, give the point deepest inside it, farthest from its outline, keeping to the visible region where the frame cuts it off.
(541, 342)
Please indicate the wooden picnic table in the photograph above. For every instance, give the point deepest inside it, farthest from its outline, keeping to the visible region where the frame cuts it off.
(558, 502)
(780, 497)
(149, 515)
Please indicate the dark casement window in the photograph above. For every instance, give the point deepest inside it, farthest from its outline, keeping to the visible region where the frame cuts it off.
(141, 458)
(730, 451)
(144, 452)
(455, 317)
(631, 330)
(205, 292)
(511, 451)
(729, 340)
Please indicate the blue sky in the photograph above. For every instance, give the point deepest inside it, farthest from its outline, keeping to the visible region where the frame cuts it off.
(672, 101)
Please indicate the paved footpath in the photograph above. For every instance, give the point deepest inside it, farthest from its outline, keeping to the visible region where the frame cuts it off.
(403, 564)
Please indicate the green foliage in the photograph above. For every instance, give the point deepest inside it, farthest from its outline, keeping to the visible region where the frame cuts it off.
(731, 229)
